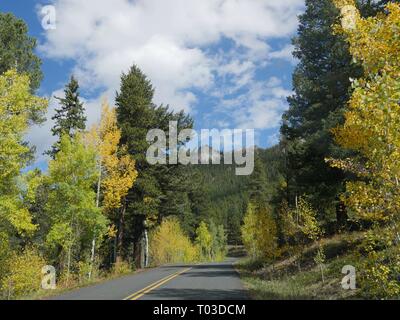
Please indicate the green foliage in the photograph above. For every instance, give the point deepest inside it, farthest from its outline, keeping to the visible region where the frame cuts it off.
(70, 118)
(4, 254)
(17, 49)
(321, 84)
(204, 240)
(219, 241)
(159, 191)
(71, 208)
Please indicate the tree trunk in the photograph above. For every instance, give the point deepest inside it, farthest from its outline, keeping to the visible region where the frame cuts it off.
(68, 263)
(322, 273)
(146, 252)
(94, 236)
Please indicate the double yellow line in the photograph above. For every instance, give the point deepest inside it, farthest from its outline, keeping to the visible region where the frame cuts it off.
(155, 285)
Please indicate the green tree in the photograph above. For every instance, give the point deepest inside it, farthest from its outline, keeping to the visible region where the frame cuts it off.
(74, 217)
(257, 186)
(70, 118)
(322, 87)
(204, 240)
(219, 241)
(154, 195)
(17, 49)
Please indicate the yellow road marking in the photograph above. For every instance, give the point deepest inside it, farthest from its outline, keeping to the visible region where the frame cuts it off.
(145, 288)
(155, 285)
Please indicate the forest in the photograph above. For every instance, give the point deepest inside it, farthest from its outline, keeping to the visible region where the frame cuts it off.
(326, 196)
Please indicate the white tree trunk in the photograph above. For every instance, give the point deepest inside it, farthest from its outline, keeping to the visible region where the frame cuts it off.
(146, 244)
(94, 237)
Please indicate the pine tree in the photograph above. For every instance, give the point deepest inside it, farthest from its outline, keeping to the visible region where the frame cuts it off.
(258, 182)
(148, 202)
(322, 87)
(17, 49)
(70, 118)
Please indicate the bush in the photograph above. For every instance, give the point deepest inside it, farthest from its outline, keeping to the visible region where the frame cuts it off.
(169, 244)
(121, 267)
(25, 274)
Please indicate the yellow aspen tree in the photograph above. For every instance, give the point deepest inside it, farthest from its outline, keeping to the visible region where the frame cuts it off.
(371, 129)
(259, 232)
(17, 106)
(116, 167)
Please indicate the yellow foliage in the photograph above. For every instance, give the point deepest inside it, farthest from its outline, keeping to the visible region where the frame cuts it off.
(17, 105)
(169, 244)
(308, 223)
(118, 168)
(302, 219)
(373, 117)
(259, 233)
(372, 129)
(25, 274)
(121, 267)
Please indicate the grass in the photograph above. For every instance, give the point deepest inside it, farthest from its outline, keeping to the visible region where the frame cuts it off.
(299, 278)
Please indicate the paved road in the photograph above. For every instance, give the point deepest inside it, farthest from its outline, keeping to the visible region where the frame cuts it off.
(212, 281)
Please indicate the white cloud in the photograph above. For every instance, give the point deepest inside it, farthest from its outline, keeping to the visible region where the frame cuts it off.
(284, 53)
(259, 107)
(165, 38)
(170, 41)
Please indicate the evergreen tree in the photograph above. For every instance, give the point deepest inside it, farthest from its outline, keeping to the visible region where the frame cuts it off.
(258, 182)
(154, 195)
(70, 118)
(17, 49)
(322, 87)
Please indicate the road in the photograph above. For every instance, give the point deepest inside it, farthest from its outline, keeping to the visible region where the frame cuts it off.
(209, 281)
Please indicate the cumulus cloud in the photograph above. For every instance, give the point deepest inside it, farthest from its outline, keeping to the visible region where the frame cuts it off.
(170, 41)
(260, 106)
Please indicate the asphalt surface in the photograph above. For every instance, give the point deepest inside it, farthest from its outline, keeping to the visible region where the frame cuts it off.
(210, 281)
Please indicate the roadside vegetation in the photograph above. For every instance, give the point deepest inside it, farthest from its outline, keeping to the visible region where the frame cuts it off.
(335, 203)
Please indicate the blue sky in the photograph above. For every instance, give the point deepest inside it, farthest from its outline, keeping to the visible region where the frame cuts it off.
(226, 62)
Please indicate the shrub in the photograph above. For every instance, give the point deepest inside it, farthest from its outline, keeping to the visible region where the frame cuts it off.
(25, 273)
(169, 244)
(121, 267)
